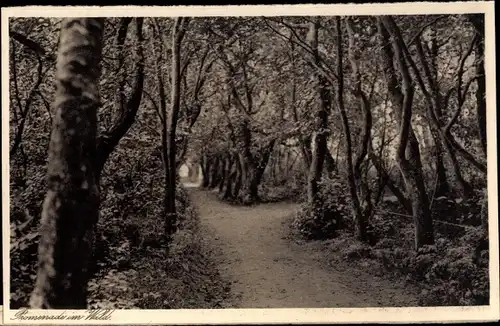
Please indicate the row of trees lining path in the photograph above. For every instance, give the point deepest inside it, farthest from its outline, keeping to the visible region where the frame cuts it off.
(389, 105)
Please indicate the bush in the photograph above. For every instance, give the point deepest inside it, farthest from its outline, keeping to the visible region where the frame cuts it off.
(151, 278)
(453, 271)
(324, 220)
(460, 274)
(128, 241)
(25, 210)
(449, 274)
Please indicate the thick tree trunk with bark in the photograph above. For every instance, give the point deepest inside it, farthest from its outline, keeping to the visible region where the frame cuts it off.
(70, 210)
(248, 162)
(171, 213)
(351, 180)
(362, 189)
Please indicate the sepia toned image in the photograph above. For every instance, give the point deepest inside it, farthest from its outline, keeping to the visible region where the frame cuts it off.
(214, 163)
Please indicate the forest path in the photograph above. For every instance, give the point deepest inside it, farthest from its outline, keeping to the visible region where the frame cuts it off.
(269, 271)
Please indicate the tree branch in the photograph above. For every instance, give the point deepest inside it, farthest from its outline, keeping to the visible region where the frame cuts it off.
(108, 140)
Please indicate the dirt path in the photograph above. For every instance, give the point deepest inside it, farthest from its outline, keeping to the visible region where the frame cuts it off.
(269, 271)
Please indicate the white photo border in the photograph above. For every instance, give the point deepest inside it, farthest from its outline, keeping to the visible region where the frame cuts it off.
(268, 316)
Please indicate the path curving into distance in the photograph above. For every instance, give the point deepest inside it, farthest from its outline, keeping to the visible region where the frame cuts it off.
(269, 271)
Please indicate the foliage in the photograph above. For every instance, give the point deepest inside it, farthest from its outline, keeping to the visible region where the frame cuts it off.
(454, 271)
(251, 106)
(325, 220)
(291, 188)
(143, 276)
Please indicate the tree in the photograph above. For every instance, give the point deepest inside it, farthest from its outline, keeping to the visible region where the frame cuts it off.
(169, 118)
(319, 144)
(179, 31)
(241, 59)
(32, 65)
(70, 210)
(408, 153)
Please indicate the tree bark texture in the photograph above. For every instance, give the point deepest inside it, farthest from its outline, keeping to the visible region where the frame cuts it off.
(70, 209)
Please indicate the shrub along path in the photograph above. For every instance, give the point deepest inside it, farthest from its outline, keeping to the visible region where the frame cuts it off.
(269, 271)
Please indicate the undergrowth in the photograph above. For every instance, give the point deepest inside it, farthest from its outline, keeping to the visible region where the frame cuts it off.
(325, 219)
(290, 189)
(132, 268)
(143, 275)
(453, 272)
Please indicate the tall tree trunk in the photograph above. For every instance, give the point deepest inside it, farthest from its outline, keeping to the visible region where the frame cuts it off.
(355, 204)
(163, 123)
(365, 140)
(70, 210)
(171, 213)
(318, 143)
(408, 154)
(247, 160)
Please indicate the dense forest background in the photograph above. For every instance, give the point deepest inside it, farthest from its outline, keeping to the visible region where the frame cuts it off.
(376, 125)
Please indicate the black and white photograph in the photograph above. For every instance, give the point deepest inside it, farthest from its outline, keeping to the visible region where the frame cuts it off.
(212, 162)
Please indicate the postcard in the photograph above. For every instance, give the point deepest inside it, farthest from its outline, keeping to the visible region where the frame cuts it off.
(249, 164)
